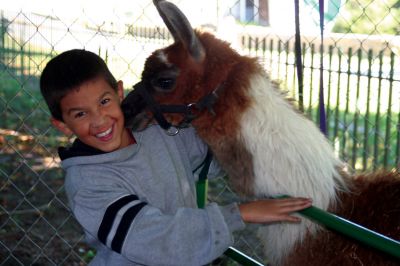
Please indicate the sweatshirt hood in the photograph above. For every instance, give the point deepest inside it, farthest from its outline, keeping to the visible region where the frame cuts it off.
(79, 153)
(78, 148)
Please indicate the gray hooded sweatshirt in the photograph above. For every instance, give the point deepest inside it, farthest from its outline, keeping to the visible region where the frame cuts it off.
(137, 205)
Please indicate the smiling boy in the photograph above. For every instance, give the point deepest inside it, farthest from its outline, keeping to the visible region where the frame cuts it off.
(92, 112)
(134, 192)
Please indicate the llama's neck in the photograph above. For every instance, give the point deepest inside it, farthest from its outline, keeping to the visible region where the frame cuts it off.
(290, 156)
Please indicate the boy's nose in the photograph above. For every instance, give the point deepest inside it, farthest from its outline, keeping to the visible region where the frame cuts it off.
(98, 120)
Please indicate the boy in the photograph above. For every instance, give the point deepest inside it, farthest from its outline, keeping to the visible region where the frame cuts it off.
(134, 192)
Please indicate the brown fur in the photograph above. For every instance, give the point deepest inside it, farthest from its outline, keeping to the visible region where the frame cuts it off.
(373, 203)
(237, 161)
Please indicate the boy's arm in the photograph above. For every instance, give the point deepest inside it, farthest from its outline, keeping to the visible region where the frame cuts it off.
(144, 234)
(273, 210)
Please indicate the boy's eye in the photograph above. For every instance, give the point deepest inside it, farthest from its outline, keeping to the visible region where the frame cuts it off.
(79, 114)
(105, 101)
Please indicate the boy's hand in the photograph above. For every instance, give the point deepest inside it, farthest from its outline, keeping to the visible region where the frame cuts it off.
(273, 210)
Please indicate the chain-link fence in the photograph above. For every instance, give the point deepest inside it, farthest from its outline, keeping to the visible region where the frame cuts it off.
(362, 93)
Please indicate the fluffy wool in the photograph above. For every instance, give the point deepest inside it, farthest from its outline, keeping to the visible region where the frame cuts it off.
(284, 162)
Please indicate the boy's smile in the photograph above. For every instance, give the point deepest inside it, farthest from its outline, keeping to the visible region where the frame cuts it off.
(92, 112)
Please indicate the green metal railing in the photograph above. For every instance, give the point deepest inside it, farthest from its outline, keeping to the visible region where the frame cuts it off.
(241, 258)
(329, 220)
(352, 230)
(231, 252)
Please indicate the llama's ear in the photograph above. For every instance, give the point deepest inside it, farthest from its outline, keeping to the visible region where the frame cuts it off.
(180, 28)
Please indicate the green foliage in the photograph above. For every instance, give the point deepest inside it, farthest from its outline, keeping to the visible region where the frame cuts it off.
(22, 109)
(21, 103)
(369, 17)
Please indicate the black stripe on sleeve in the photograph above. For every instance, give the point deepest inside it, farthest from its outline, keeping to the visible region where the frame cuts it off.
(124, 225)
(110, 214)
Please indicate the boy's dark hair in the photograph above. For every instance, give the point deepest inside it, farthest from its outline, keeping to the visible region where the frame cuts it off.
(68, 71)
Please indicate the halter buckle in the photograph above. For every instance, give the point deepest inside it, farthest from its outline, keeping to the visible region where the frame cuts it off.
(172, 131)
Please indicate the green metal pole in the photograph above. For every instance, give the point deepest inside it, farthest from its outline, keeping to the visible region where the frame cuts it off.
(353, 230)
(231, 252)
(241, 258)
(202, 191)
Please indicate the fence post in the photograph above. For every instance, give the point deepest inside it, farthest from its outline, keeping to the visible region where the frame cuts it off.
(328, 104)
(397, 163)
(366, 118)
(287, 61)
(336, 126)
(389, 113)
(3, 30)
(378, 113)
(346, 112)
(310, 99)
(356, 111)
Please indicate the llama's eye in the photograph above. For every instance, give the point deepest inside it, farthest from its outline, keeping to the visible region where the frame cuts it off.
(163, 80)
(164, 84)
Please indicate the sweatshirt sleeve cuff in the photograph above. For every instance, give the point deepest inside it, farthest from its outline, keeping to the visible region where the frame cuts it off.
(232, 217)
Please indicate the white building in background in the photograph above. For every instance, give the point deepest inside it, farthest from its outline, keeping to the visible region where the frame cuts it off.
(278, 15)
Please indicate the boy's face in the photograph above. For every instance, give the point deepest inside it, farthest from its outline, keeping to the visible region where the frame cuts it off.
(92, 113)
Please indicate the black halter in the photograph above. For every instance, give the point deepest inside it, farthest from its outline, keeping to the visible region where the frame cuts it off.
(189, 111)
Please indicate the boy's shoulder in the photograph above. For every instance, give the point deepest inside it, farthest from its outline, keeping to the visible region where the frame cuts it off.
(154, 130)
(154, 140)
(78, 148)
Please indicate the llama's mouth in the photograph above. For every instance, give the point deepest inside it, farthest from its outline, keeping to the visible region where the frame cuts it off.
(133, 107)
(140, 109)
(139, 122)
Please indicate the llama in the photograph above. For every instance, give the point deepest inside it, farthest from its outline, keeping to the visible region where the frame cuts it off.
(264, 144)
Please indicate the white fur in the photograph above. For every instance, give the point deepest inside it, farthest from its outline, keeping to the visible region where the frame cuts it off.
(163, 58)
(279, 139)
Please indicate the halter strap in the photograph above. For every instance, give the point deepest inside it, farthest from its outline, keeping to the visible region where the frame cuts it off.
(190, 111)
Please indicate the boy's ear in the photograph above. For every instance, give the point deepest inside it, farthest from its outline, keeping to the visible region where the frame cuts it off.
(120, 90)
(61, 126)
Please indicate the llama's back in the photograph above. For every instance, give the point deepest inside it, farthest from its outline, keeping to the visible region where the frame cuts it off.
(373, 203)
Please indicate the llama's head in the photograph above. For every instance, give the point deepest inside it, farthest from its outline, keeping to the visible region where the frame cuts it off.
(170, 74)
(188, 75)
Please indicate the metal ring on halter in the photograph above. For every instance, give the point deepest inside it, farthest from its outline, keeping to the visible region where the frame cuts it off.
(190, 115)
(172, 131)
(190, 105)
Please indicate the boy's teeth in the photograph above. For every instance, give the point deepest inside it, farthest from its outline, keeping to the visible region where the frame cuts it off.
(105, 133)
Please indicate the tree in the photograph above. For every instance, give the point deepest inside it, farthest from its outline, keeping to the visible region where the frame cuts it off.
(369, 17)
